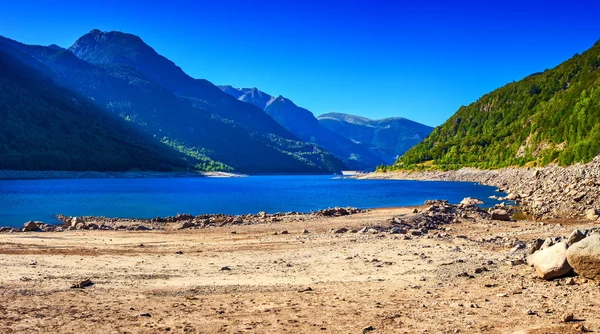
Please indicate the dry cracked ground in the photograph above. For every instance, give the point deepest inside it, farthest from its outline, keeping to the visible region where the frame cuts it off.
(247, 279)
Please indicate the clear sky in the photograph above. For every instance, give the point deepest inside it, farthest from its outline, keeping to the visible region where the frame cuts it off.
(416, 59)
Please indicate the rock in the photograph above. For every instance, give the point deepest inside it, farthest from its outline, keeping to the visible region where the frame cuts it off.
(80, 226)
(397, 230)
(92, 226)
(285, 232)
(184, 225)
(307, 289)
(148, 315)
(340, 230)
(83, 284)
(416, 210)
(500, 214)
(584, 257)
(592, 214)
(551, 262)
(141, 228)
(547, 243)
(568, 317)
(535, 246)
(305, 231)
(30, 226)
(368, 329)
(470, 201)
(225, 268)
(574, 237)
(76, 220)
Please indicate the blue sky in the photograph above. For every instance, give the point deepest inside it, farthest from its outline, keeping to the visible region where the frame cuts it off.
(416, 59)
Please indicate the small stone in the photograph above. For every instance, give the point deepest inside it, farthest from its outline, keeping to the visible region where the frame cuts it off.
(147, 315)
(305, 231)
(368, 329)
(225, 268)
(307, 289)
(285, 232)
(568, 317)
(83, 284)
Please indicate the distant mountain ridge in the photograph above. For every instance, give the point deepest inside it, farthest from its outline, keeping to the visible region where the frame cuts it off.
(388, 138)
(213, 129)
(304, 125)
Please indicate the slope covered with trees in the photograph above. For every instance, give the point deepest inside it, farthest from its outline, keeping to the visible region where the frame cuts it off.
(553, 116)
(47, 127)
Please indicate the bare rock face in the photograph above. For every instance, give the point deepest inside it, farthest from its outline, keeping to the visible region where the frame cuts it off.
(551, 262)
(500, 214)
(584, 257)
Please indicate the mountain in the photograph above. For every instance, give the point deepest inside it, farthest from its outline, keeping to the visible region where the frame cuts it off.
(199, 127)
(387, 138)
(553, 116)
(303, 124)
(115, 47)
(48, 127)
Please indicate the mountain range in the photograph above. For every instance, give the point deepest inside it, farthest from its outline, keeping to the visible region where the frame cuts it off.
(360, 142)
(127, 79)
(387, 138)
(548, 117)
(142, 99)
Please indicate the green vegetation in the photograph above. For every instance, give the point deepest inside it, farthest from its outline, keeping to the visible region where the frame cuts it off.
(47, 127)
(203, 162)
(549, 117)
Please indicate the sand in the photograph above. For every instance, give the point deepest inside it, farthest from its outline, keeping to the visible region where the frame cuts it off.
(174, 282)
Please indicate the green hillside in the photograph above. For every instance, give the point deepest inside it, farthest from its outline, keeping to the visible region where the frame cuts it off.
(547, 117)
(47, 127)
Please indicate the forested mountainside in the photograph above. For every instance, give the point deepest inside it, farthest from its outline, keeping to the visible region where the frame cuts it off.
(214, 130)
(387, 138)
(304, 125)
(552, 116)
(48, 127)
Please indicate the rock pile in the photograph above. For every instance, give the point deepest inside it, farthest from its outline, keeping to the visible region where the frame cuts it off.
(579, 252)
(180, 221)
(545, 192)
(438, 214)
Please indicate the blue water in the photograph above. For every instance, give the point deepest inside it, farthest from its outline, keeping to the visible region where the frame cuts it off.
(24, 200)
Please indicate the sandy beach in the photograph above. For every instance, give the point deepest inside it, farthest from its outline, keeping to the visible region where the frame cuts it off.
(464, 278)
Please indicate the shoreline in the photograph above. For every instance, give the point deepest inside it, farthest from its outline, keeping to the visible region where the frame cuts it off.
(41, 175)
(545, 192)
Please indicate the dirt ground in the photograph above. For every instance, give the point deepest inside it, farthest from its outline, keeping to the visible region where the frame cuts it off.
(175, 281)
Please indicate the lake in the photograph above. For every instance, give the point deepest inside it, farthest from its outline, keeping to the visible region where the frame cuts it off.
(24, 200)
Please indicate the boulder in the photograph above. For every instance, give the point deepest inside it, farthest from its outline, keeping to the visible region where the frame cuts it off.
(547, 243)
(184, 225)
(584, 257)
(340, 230)
(76, 220)
(592, 214)
(551, 262)
(574, 237)
(470, 201)
(80, 226)
(30, 226)
(500, 214)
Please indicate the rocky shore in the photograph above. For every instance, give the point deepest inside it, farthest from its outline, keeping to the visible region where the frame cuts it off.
(545, 192)
(178, 222)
